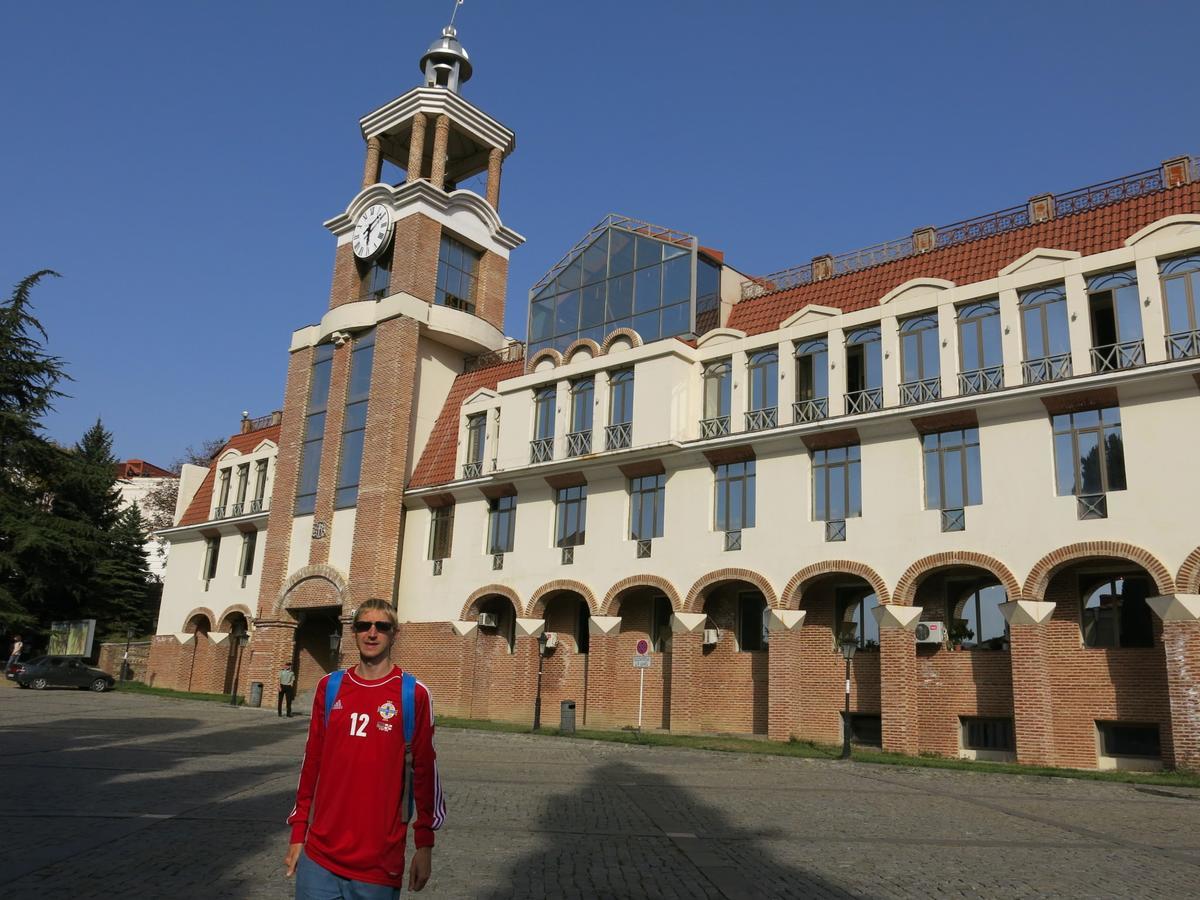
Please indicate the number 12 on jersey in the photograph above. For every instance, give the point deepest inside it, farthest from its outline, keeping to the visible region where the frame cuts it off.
(358, 724)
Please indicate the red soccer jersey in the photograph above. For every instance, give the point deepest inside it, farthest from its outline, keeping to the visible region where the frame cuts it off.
(352, 777)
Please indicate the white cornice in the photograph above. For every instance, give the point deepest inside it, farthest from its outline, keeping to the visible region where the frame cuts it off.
(1039, 256)
(1184, 220)
(434, 102)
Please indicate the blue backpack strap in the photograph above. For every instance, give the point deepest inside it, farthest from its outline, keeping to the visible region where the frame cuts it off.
(332, 684)
(408, 686)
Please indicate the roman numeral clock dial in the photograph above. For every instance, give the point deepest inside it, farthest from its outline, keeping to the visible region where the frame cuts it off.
(372, 231)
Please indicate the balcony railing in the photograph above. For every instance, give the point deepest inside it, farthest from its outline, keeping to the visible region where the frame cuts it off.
(236, 509)
(811, 410)
(718, 426)
(1183, 344)
(864, 401)
(219, 512)
(541, 450)
(760, 419)
(1049, 368)
(835, 530)
(733, 540)
(619, 436)
(1124, 355)
(472, 469)
(980, 381)
(259, 505)
(1092, 506)
(954, 520)
(579, 443)
(924, 391)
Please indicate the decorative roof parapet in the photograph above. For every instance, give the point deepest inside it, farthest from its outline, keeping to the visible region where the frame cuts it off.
(1172, 173)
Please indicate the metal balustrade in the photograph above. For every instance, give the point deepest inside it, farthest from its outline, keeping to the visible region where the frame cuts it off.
(864, 401)
(643, 549)
(472, 469)
(718, 426)
(733, 540)
(579, 443)
(219, 512)
(236, 509)
(437, 567)
(954, 520)
(980, 381)
(497, 562)
(257, 506)
(1125, 355)
(761, 419)
(1092, 506)
(811, 410)
(1049, 368)
(568, 556)
(924, 391)
(619, 436)
(541, 450)
(1183, 344)
(835, 530)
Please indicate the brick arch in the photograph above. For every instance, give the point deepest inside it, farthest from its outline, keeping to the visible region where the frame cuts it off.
(200, 611)
(611, 600)
(545, 353)
(791, 593)
(1048, 565)
(490, 590)
(237, 608)
(1188, 579)
(634, 338)
(906, 588)
(579, 344)
(536, 608)
(695, 597)
(296, 580)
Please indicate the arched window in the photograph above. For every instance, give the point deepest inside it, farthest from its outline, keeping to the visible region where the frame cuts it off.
(981, 359)
(919, 351)
(717, 387)
(1181, 296)
(864, 371)
(979, 623)
(1044, 332)
(1114, 611)
(857, 622)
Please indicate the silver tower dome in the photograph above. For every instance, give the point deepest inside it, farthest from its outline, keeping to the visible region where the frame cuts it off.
(446, 63)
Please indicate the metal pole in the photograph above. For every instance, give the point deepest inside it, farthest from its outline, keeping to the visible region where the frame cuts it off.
(125, 662)
(237, 659)
(641, 685)
(537, 700)
(846, 717)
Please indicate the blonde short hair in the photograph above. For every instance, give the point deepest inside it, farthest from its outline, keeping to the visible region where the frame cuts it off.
(379, 606)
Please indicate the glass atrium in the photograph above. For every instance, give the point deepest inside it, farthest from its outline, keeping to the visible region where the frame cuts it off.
(624, 274)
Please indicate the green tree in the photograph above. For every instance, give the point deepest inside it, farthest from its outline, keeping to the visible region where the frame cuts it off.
(125, 596)
(29, 463)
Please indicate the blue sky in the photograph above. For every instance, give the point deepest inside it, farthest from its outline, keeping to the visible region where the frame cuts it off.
(174, 161)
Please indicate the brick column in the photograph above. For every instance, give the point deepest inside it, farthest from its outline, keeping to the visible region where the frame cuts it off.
(1180, 614)
(468, 633)
(416, 149)
(687, 643)
(441, 140)
(495, 156)
(374, 163)
(270, 647)
(1030, 658)
(602, 661)
(898, 676)
(783, 679)
(525, 649)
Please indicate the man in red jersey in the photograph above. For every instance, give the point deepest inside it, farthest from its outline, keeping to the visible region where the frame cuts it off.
(352, 779)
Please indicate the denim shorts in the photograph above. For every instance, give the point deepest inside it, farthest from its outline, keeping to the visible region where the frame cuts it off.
(314, 882)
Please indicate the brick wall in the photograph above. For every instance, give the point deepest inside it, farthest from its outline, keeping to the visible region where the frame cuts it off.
(200, 665)
(954, 683)
(491, 288)
(415, 256)
(347, 280)
(112, 655)
(732, 690)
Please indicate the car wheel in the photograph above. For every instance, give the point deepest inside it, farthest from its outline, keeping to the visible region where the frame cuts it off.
(100, 685)
(39, 684)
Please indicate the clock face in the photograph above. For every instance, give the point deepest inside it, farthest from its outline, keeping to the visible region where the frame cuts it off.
(372, 231)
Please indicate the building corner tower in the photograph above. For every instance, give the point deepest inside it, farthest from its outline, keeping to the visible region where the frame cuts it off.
(418, 291)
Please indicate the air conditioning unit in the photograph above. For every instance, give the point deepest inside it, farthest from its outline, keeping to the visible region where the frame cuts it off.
(931, 633)
(487, 620)
(551, 640)
(711, 636)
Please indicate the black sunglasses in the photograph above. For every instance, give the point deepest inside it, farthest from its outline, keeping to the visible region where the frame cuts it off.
(381, 627)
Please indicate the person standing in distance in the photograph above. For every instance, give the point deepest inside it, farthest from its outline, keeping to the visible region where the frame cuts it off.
(15, 655)
(349, 824)
(287, 684)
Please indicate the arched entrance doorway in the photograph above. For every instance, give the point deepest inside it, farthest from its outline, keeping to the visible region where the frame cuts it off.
(565, 668)
(238, 628)
(645, 613)
(317, 647)
(494, 682)
(733, 674)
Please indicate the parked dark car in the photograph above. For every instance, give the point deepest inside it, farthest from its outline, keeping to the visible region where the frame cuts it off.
(63, 671)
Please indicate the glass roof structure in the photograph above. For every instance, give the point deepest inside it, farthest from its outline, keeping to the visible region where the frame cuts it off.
(624, 274)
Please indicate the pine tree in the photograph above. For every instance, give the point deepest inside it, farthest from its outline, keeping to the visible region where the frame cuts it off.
(123, 587)
(29, 463)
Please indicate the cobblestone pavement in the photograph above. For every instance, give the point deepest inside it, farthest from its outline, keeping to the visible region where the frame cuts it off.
(128, 796)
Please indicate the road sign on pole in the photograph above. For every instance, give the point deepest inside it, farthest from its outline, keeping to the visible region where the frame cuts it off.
(642, 662)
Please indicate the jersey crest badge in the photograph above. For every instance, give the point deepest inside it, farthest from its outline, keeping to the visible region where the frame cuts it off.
(387, 710)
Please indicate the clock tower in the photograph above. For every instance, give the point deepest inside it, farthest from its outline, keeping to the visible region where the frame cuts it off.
(419, 276)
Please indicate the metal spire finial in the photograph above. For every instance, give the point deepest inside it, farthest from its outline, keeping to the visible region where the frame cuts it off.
(453, 13)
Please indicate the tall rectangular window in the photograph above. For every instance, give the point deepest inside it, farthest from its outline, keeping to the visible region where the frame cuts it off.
(812, 370)
(260, 485)
(1115, 308)
(647, 502)
(583, 392)
(502, 524)
(1089, 454)
(570, 510)
(763, 371)
(223, 492)
(212, 549)
(620, 397)
(1181, 295)
(354, 425)
(314, 430)
(981, 361)
(718, 385)
(837, 483)
(543, 409)
(734, 501)
(660, 624)
(864, 371)
(377, 278)
(457, 276)
(243, 482)
(476, 436)
(920, 362)
(246, 563)
(752, 631)
(952, 474)
(441, 531)
(1044, 332)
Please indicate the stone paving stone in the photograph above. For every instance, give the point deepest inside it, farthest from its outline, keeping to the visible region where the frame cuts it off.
(130, 796)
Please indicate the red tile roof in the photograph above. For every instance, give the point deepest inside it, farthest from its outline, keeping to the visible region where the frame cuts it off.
(1093, 231)
(197, 510)
(139, 468)
(436, 465)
